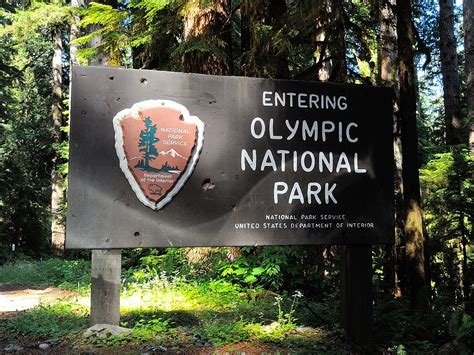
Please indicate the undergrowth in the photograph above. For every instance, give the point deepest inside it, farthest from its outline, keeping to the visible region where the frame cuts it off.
(164, 307)
(67, 274)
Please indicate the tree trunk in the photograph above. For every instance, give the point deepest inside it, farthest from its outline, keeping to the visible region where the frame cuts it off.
(330, 52)
(57, 196)
(388, 45)
(209, 26)
(415, 239)
(468, 23)
(330, 65)
(75, 31)
(449, 68)
(245, 36)
(388, 77)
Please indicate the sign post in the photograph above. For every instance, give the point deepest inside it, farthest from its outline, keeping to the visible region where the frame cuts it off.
(356, 293)
(105, 287)
(160, 159)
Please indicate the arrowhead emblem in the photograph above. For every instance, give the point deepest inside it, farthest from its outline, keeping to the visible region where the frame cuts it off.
(158, 144)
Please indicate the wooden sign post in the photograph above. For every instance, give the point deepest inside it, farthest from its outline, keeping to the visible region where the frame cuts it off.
(356, 293)
(105, 287)
(160, 159)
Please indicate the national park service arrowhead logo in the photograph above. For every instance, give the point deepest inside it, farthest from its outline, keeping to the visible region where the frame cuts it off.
(158, 145)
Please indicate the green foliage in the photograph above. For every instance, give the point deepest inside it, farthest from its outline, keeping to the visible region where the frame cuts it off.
(277, 268)
(449, 199)
(461, 327)
(149, 28)
(26, 139)
(403, 331)
(53, 321)
(150, 8)
(39, 18)
(259, 269)
(154, 267)
(362, 41)
(110, 25)
(223, 299)
(221, 332)
(68, 274)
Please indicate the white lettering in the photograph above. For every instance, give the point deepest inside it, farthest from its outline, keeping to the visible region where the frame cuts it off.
(279, 188)
(262, 128)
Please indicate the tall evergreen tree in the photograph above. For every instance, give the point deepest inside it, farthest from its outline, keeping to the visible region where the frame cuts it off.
(58, 232)
(330, 42)
(449, 68)
(415, 238)
(468, 15)
(389, 77)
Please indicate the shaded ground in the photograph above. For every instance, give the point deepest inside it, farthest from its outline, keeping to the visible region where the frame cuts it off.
(26, 346)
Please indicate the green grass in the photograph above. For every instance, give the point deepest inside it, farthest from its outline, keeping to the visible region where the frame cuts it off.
(67, 274)
(49, 321)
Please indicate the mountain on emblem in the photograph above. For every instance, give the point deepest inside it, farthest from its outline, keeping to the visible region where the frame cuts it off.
(173, 153)
(158, 145)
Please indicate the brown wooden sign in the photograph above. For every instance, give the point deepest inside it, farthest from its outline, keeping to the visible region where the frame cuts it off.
(169, 159)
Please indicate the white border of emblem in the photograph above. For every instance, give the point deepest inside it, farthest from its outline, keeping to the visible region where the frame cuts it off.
(134, 113)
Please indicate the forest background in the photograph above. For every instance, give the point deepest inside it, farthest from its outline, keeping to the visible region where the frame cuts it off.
(423, 49)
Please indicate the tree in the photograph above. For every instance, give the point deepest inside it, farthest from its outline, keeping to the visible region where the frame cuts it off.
(330, 51)
(28, 24)
(264, 39)
(468, 15)
(58, 230)
(449, 67)
(415, 238)
(75, 30)
(29, 153)
(388, 77)
(207, 37)
(147, 145)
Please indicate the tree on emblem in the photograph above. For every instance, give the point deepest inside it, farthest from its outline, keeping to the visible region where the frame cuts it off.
(147, 146)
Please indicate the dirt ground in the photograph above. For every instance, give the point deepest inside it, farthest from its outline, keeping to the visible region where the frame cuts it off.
(15, 298)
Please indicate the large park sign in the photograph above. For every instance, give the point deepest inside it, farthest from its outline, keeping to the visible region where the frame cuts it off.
(160, 159)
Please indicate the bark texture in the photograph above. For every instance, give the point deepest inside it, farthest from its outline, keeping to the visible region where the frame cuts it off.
(207, 26)
(415, 239)
(449, 68)
(75, 30)
(388, 77)
(330, 51)
(57, 195)
(207, 29)
(468, 23)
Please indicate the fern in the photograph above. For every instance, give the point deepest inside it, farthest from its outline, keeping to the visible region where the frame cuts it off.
(150, 7)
